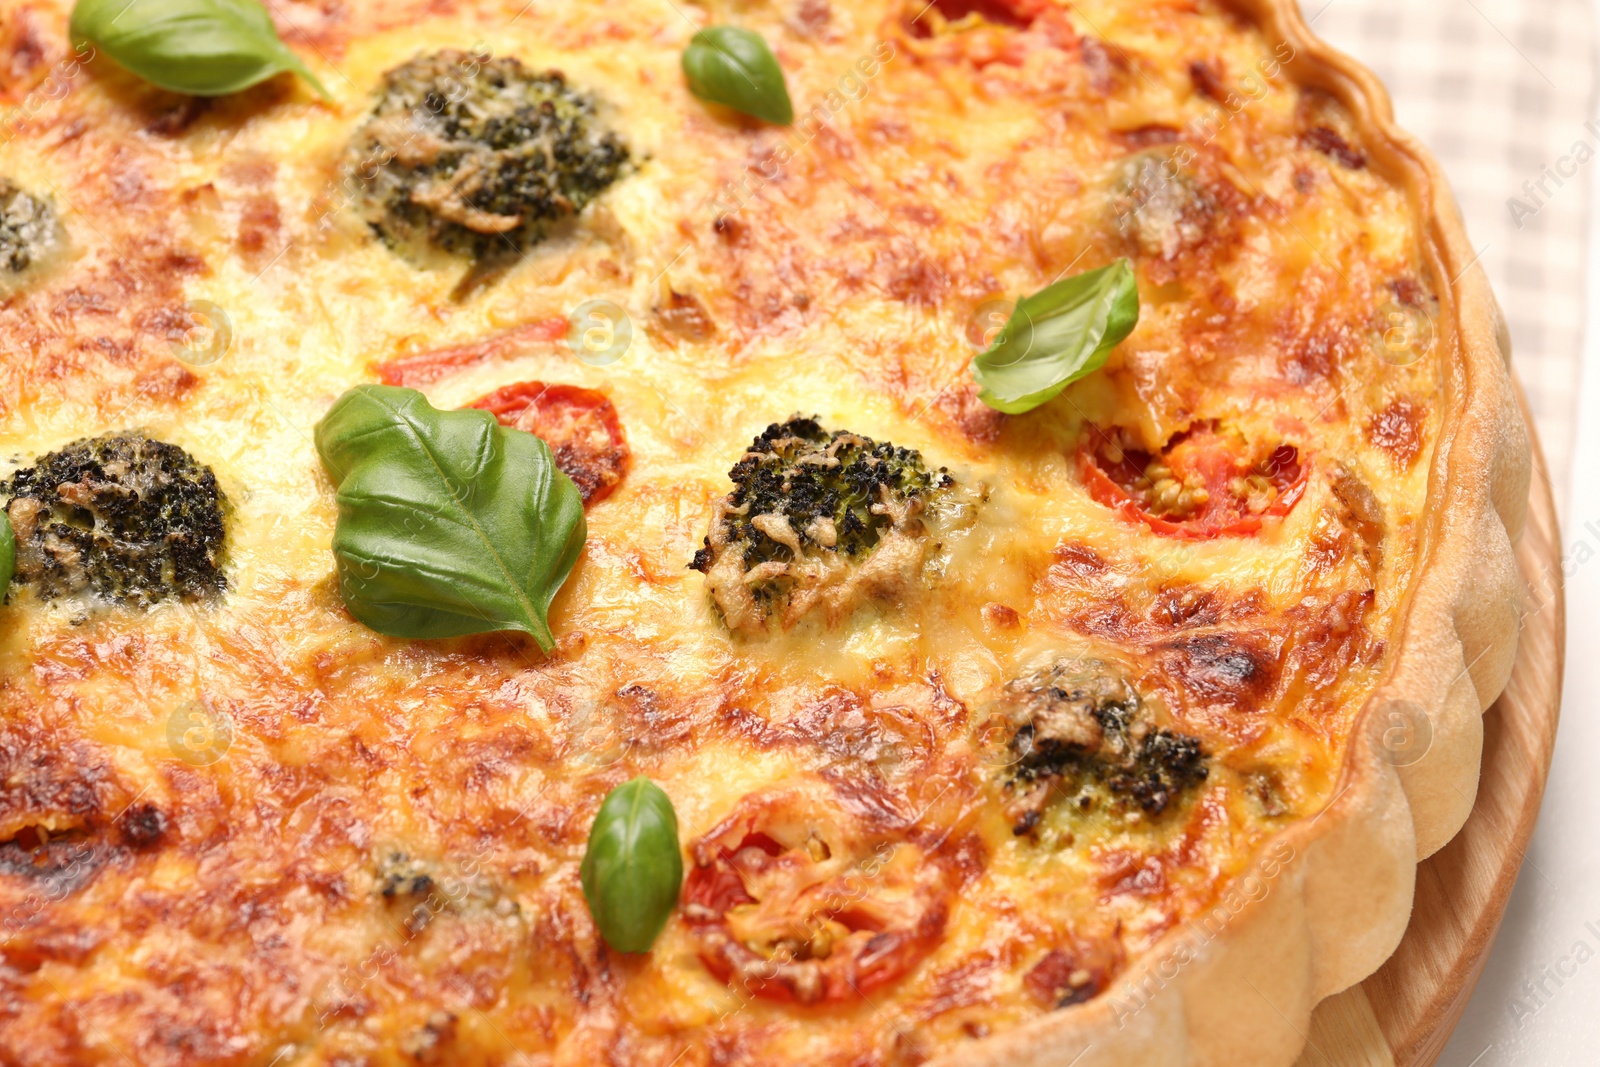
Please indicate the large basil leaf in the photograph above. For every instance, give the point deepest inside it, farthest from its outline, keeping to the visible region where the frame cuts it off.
(449, 523)
(1056, 336)
(8, 553)
(633, 867)
(733, 66)
(204, 47)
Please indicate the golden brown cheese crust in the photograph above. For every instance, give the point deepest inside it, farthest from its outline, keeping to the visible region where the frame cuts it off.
(256, 832)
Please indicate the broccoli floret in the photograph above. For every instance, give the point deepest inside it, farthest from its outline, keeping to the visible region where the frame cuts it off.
(477, 156)
(1159, 206)
(817, 517)
(837, 491)
(1082, 732)
(126, 518)
(30, 233)
(406, 884)
(1168, 763)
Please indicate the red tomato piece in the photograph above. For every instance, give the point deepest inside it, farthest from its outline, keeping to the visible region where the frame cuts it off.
(794, 900)
(430, 366)
(1221, 485)
(580, 426)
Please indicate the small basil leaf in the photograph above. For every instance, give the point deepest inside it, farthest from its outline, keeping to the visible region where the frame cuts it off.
(204, 47)
(1056, 336)
(733, 66)
(8, 553)
(633, 867)
(449, 523)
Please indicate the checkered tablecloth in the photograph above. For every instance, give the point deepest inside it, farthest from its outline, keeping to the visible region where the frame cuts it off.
(1501, 90)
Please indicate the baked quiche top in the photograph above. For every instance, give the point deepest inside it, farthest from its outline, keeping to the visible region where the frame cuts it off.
(959, 711)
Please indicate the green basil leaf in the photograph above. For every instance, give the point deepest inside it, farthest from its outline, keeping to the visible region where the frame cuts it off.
(204, 47)
(449, 523)
(8, 553)
(732, 66)
(1056, 336)
(633, 866)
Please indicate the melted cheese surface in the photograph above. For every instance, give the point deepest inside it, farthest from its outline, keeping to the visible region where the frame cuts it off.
(298, 760)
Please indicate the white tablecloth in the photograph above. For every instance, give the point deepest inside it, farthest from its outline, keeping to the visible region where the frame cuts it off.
(1501, 91)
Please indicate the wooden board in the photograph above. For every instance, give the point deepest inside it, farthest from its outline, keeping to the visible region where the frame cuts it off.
(1403, 1015)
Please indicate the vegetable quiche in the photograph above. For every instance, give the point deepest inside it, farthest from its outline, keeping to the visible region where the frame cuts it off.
(792, 532)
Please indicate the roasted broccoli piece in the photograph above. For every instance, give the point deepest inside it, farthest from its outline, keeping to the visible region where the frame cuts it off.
(817, 517)
(1082, 732)
(411, 890)
(416, 891)
(477, 156)
(123, 517)
(1159, 206)
(399, 876)
(30, 233)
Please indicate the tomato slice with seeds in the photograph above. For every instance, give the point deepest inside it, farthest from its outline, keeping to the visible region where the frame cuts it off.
(1206, 483)
(580, 426)
(796, 900)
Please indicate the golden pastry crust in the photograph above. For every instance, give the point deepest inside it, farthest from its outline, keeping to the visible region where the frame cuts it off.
(250, 831)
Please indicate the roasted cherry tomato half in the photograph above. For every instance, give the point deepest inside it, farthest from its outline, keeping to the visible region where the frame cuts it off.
(580, 426)
(794, 899)
(1206, 483)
